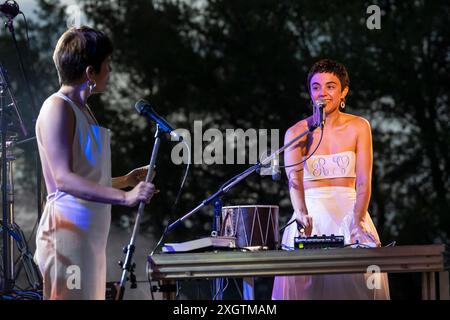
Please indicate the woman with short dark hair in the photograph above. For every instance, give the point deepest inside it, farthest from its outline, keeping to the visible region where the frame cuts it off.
(330, 192)
(76, 164)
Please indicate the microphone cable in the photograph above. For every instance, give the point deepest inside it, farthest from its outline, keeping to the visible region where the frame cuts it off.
(228, 182)
(177, 197)
(285, 166)
(172, 210)
(304, 160)
(184, 177)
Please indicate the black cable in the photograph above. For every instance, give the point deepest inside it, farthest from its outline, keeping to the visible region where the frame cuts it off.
(287, 225)
(32, 232)
(38, 165)
(26, 32)
(22, 68)
(304, 160)
(160, 240)
(26, 259)
(172, 210)
(184, 178)
(177, 197)
(33, 105)
(238, 288)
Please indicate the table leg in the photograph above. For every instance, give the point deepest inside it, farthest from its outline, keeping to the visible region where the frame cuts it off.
(444, 290)
(168, 293)
(428, 286)
(425, 286)
(432, 285)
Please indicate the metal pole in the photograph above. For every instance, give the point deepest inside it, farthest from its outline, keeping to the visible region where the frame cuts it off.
(10, 189)
(127, 265)
(7, 281)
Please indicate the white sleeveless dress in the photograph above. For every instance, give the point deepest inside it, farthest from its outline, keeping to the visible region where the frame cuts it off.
(72, 233)
(331, 209)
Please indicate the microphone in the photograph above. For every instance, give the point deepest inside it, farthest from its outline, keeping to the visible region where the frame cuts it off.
(10, 9)
(276, 174)
(319, 112)
(145, 109)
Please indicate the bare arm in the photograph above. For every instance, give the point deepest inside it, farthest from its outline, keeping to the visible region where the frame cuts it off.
(56, 130)
(364, 159)
(295, 177)
(295, 174)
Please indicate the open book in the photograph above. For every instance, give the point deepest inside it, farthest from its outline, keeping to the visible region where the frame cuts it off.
(204, 244)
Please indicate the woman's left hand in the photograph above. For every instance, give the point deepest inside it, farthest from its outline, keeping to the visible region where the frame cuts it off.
(360, 234)
(137, 175)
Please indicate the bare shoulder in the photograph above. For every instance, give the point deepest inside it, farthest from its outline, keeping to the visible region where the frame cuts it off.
(55, 109)
(357, 122)
(55, 104)
(298, 128)
(56, 118)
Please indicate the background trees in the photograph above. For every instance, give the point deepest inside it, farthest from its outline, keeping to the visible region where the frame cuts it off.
(243, 64)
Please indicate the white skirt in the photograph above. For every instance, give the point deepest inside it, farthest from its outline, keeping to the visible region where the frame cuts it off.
(331, 209)
(71, 248)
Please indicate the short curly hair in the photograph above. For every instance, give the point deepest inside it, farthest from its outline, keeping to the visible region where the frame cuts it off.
(77, 49)
(329, 66)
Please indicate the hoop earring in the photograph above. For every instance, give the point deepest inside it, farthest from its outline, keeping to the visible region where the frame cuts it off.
(91, 84)
(342, 104)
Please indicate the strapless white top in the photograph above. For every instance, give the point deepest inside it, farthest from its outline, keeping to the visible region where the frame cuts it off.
(338, 165)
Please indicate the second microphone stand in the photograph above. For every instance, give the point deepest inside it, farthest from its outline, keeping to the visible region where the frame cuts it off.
(127, 265)
(217, 283)
(6, 163)
(238, 178)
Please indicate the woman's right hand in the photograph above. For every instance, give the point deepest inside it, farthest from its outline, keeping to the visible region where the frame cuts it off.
(307, 222)
(144, 191)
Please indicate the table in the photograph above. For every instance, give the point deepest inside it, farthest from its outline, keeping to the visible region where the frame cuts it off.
(430, 260)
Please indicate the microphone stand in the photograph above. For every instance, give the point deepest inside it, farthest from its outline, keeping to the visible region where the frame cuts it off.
(238, 178)
(225, 188)
(8, 281)
(7, 206)
(217, 283)
(127, 265)
(9, 24)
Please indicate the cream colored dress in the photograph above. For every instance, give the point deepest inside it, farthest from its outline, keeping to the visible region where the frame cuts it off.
(72, 234)
(331, 209)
